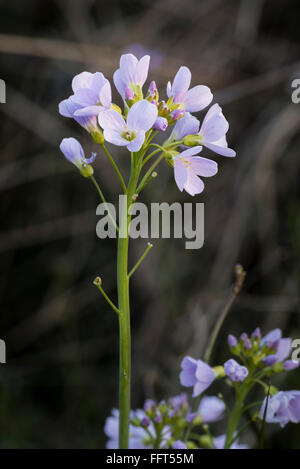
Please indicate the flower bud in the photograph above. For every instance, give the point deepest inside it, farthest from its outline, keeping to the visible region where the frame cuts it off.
(256, 334)
(129, 94)
(232, 341)
(161, 123)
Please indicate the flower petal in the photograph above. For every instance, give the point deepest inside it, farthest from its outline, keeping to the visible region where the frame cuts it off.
(136, 144)
(105, 95)
(142, 115)
(203, 166)
(197, 98)
(111, 119)
(82, 80)
(113, 136)
(88, 111)
(190, 151)
(119, 84)
(181, 84)
(224, 151)
(142, 68)
(180, 174)
(72, 150)
(194, 185)
(128, 63)
(67, 107)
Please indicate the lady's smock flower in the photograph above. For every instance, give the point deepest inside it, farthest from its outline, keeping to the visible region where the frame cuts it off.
(73, 151)
(192, 100)
(140, 118)
(211, 409)
(235, 371)
(213, 132)
(92, 94)
(282, 408)
(132, 74)
(196, 374)
(188, 168)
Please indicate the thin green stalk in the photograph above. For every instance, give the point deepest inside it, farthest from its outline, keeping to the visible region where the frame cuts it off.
(140, 260)
(104, 202)
(240, 276)
(124, 308)
(98, 283)
(148, 157)
(149, 172)
(115, 168)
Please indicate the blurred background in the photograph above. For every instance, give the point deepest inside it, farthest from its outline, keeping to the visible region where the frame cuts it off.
(60, 380)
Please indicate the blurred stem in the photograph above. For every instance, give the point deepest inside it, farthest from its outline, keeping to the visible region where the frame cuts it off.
(124, 306)
(240, 277)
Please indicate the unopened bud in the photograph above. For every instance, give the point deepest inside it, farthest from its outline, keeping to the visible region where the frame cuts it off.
(97, 281)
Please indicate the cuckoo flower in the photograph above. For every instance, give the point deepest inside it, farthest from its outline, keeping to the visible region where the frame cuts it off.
(192, 100)
(281, 346)
(187, 168)
(131, 133)
(196, 374)
(73, 151)
(187, 125)
(282, 408)
(92, 94)
(211, 409)
(213, 132)
(131, 75)
(235, 371)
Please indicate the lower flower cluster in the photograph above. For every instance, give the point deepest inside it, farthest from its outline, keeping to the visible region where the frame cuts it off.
(176, 423)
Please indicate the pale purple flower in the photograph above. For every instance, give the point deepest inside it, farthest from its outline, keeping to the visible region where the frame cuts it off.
(92, 94)
(137, 435)
(149, 405)
(213, 132)
(192, 100)
(256, 334)
(235, 371)
(232, 341)
(219, 443)
(132, 73)
(281, 346)
(290, 365)
(161, 123)
(179, 401)
(140, 118)
(179, 445)
(73, 151)
(187, 125)
(196, 374)
(282, 408)
(248, 344)
(188, 168)
(211, 409)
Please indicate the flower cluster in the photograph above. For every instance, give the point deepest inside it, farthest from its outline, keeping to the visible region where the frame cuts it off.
(143, 115)
(177, 424)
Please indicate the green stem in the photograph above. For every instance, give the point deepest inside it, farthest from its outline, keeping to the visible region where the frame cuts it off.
(149, 172)
(140, 260)
(236, 414)
(124, 308)
(104, 202)
(115, 168)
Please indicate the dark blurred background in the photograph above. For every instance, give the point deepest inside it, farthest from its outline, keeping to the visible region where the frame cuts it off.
(60, 380)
